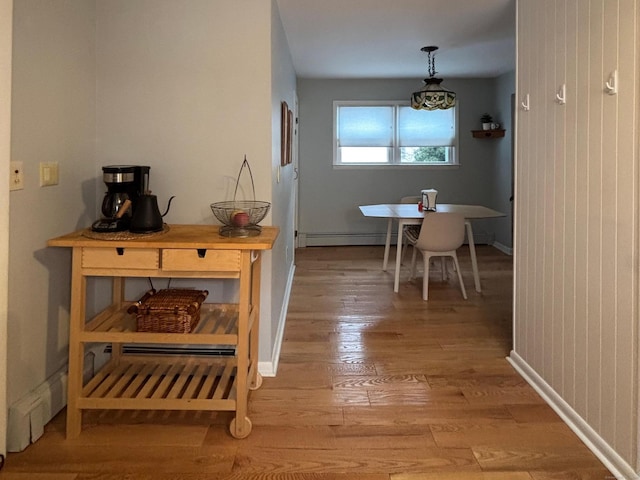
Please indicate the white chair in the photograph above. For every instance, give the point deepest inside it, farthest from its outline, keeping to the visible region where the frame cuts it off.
(441, 235)
(410, 232)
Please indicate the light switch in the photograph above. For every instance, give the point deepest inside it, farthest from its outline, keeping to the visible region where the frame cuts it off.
(48, 173)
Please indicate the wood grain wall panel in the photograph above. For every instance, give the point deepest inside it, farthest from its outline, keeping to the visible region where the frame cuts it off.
(608, 228)
(594, 230)
(571, 208)
(538, 152)
(523, 298)
(626, 193)
(576, 253)
(559, 178)
(528, 205)
(546, 173)
(582, 256)
(520, 169)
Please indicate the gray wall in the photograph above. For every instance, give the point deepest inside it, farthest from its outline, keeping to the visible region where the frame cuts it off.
(503, 165)
(329, 197)
(190, 92)
(53, 120)
(99, 82)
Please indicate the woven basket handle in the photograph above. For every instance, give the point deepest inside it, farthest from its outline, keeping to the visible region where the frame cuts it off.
(245, 163)
(135, 308)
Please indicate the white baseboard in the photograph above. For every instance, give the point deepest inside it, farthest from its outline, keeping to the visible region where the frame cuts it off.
(502, 248)
(270, 368)
(349, 239)
(340, 239)
(601, 449)
(28, 416)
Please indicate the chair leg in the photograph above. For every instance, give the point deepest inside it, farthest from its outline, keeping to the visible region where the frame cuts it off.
(455, 261)
(425, 278)
(443, 266)
(413, 262)
(405, 246)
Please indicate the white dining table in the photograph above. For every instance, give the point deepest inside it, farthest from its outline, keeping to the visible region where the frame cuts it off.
(408, 214)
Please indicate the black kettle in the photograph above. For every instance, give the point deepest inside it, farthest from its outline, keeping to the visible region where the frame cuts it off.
(146, 216)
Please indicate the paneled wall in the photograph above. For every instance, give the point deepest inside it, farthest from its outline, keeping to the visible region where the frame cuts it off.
(576, 240)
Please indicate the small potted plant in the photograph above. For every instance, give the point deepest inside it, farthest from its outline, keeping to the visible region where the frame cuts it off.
(486, 120)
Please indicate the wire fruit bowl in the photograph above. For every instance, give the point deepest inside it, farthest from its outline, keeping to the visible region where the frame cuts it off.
(240, 218)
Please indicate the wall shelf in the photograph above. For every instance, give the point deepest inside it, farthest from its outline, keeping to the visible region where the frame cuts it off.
(488, 133)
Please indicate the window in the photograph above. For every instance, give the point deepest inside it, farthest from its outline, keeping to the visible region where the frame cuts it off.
(393, 133)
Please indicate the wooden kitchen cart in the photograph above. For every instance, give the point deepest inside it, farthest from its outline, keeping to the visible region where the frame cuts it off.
(146, 382)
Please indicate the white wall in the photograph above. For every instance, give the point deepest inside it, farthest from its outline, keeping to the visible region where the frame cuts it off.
(53, 119)
(6, 15)
(503, 167)
(283, 85)
(188, 91)
(329, 197)
(576, 290)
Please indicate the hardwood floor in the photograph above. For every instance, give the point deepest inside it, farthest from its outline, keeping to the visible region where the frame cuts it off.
(371, 385)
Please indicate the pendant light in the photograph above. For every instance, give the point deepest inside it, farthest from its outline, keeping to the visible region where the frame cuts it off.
(432, 96)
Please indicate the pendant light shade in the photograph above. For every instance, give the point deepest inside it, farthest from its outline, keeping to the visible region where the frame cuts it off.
(432, 96)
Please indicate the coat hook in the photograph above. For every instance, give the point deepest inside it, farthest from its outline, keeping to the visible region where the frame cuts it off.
(611, 85)
(561, 96)
(525, 103)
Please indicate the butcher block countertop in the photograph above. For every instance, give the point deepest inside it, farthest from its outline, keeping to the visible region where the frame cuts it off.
(174, 236)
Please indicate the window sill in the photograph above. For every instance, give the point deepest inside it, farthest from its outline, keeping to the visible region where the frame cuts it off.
(397, 167)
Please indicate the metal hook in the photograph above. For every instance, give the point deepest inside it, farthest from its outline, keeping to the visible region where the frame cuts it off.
(525, 103)
(611, 85)
(561, 96)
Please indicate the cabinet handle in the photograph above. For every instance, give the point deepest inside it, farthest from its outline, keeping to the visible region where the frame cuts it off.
(525, 103)
(202, 252)
(611, 85)
(120, 251)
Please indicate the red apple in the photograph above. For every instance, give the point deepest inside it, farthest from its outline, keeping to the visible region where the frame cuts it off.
(240, 218)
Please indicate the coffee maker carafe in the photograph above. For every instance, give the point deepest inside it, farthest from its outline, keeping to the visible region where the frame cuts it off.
(125, 184)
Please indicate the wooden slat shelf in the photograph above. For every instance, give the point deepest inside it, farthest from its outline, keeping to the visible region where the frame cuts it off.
(148, 383)
(167, 382)
(218, 325)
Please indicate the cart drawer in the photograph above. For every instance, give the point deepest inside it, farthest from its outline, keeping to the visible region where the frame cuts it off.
(135, 258)
(200, 260)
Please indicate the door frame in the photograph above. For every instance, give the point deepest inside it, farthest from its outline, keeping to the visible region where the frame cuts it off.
(6, 29)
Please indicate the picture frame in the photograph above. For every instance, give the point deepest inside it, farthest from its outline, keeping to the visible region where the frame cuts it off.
(285, 141)
(289, 136)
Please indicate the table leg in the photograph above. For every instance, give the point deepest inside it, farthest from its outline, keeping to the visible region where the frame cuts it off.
(76, 348)
(387, 245)
(396, 279)
(474, 260)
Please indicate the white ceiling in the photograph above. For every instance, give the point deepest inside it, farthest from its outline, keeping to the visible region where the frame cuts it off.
(383, 38)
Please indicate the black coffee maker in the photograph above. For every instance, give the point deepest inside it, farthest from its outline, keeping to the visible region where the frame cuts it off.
(125, 184)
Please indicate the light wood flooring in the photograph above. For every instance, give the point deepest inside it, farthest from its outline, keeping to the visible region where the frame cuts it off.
(371, 385)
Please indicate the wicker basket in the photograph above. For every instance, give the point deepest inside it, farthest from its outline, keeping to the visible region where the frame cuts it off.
(174, 310)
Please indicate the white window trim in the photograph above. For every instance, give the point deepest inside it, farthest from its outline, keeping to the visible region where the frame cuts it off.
(455, 162)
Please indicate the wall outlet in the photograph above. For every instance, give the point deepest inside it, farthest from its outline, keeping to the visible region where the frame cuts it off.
(48, 173)
(16, 176)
